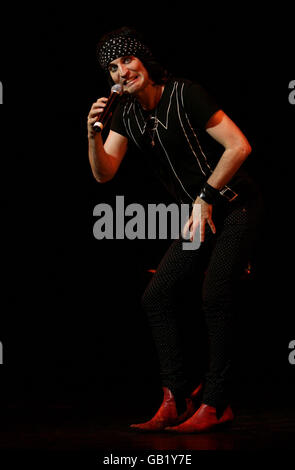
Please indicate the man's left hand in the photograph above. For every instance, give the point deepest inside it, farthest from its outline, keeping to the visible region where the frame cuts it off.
(201, 214)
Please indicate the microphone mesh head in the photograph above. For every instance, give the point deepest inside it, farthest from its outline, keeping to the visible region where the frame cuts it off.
(117, 88)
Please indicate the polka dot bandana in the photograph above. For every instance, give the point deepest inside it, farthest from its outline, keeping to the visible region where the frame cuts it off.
(120, 46)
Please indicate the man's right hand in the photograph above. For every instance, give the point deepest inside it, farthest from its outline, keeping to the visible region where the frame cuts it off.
(95, 110)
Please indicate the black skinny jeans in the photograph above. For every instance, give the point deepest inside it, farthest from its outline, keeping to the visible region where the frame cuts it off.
(223, 255)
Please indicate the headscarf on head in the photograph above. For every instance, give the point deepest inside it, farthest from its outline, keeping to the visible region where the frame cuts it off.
(127, 41)
(120, 43)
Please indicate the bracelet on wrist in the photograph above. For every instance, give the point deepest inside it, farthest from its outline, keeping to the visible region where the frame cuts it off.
(209, 194)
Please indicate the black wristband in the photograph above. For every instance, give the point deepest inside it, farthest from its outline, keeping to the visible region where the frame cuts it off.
(209, 194)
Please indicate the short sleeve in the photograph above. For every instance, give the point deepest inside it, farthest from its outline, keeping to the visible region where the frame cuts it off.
(117, 123)
(199, 105)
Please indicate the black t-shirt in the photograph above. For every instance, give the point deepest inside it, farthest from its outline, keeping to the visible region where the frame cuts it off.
(172, 136)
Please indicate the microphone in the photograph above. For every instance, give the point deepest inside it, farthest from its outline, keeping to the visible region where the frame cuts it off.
(103, 117)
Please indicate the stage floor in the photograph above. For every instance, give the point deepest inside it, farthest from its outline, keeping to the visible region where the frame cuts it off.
(69, 427)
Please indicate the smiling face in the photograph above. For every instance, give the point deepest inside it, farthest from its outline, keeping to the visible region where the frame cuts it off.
(129, 72)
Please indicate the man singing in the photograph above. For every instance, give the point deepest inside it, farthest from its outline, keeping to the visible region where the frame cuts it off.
(167, 119)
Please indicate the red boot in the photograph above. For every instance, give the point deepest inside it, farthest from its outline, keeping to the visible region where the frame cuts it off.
(203, 420)
(167, 413)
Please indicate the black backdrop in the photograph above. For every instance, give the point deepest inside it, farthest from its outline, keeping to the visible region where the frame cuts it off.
(70, 318)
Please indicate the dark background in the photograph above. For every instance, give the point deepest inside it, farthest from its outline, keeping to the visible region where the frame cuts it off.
(71, 322)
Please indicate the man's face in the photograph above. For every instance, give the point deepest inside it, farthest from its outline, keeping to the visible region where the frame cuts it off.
(129, 72)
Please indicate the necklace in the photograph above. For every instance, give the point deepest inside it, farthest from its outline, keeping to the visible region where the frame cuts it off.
(151, 120)
(150, 126)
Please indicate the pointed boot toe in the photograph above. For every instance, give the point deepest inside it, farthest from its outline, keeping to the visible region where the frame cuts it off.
(167, 414)
(203, 420)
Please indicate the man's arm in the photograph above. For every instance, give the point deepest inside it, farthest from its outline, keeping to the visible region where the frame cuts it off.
(237, 148)
(105, 158)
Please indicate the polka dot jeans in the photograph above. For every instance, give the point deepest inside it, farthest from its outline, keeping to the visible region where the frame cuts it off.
(220, 259)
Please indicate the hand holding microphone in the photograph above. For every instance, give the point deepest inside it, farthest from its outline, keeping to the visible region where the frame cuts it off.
(102, 110)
